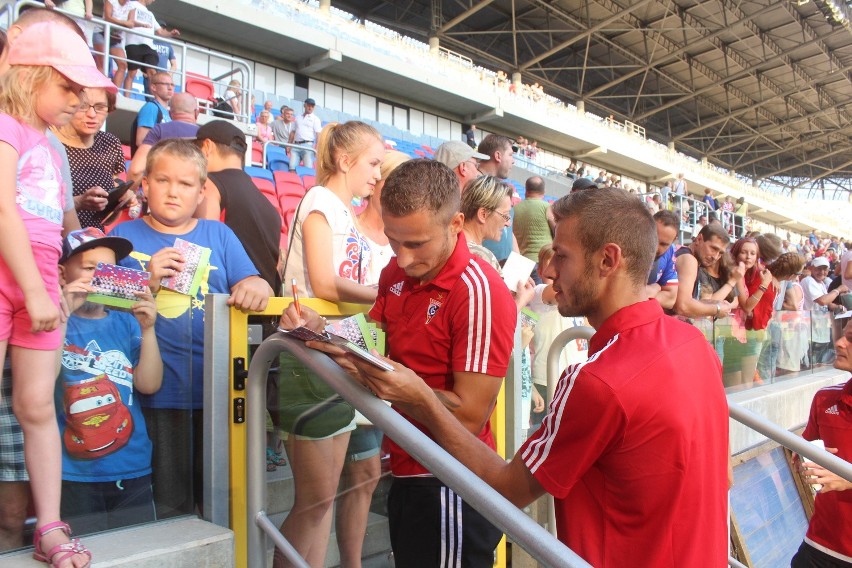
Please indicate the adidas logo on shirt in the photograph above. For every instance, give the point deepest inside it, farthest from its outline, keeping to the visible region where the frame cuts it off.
(397, 288)
(832, 410)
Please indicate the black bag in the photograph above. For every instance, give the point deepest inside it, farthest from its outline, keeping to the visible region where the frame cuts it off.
(222, 108)
(307, 406)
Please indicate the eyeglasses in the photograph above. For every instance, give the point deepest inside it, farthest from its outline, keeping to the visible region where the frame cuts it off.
(99, 108)
(473, 163)
(505, 217)
(172, 85)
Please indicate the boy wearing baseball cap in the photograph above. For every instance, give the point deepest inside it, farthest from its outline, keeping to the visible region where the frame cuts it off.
(108, 357)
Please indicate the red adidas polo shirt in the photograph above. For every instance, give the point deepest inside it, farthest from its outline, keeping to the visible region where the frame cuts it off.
(462, 320)
(635, 446)
(831, 422)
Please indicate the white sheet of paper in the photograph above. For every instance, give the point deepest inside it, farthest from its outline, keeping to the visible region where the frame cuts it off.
(516, 270)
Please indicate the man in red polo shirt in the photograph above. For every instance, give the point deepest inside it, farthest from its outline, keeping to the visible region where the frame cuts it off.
(828, 542)
(634, 447)
(450, 318)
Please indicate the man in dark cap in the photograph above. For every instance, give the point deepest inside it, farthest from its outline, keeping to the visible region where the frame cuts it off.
(308, 127)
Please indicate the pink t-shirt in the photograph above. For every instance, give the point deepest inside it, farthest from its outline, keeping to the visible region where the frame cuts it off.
(40, 191)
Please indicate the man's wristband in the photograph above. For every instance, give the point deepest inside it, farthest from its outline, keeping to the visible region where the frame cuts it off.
(762, 288)
(718, 308)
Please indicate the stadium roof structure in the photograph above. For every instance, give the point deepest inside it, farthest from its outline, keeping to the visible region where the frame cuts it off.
(760, 87)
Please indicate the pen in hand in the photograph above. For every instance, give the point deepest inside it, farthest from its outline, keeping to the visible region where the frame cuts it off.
(296, 298)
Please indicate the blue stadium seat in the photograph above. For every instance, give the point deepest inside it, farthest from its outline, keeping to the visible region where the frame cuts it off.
(302, 171)
(258, 172)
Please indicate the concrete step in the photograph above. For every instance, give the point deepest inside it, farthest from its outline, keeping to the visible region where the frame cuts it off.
(179, 543)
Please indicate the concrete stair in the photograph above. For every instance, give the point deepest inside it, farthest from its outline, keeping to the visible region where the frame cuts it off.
(376, 541)
(179, 543)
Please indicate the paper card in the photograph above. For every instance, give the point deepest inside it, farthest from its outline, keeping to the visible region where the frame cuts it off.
(116, 286)
(355, 329)
(188, 280)
(529, 318)
(517, 270)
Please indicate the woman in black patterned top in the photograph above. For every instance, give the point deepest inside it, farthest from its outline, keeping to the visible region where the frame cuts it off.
(95, 157)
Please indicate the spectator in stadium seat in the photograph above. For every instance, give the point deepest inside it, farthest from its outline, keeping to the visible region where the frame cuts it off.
(307, 128)
(141, 53)
(435, 276)
(462, 159)
(605, 435)
(680, 185)
(662, 280)
(230, 196)
(705, 250)
(233, 96)
(709, 200)
(828, 542)
(183, 112)
(118, 12)
(283, 125)
(755, 305)
(328, 258)
(95, 156)
(533, 222)
(264, 126)
(470, 136)
(501, 159)
(820, 301)
(155, 111)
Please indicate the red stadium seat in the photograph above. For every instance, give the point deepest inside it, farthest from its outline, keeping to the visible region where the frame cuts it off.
(281, 177)
(125, 149)
(267, 188)
(200, 86)
(309, 181)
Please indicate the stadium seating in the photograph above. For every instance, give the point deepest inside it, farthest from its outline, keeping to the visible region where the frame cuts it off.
(201, 87)
(258, 172)
(286, 176)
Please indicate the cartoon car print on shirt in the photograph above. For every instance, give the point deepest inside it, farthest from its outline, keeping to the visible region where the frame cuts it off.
(97, 423)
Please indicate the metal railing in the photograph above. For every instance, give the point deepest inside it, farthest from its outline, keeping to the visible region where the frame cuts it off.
(524, 531)
(239, 66)
(280, 144)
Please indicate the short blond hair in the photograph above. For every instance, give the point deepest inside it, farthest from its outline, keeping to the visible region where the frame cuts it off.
(178, 148)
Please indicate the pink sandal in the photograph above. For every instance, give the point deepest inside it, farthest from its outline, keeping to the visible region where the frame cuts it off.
(64, 551)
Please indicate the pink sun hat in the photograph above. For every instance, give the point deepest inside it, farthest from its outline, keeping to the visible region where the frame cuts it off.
(49, 43)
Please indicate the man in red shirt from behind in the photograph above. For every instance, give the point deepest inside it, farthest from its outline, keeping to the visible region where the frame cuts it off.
(634, 447)
(828, 542)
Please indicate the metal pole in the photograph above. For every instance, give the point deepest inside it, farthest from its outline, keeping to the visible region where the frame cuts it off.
(797, 444)
(523, 530)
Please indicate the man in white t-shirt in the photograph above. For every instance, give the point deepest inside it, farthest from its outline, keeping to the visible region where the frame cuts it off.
(140, 48)
(821, 304)
(308, 127)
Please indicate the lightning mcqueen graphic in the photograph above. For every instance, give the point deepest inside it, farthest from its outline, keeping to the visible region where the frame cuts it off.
(97, 423)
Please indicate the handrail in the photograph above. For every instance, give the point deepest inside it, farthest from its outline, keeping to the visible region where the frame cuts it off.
(241, 65)
(790, 441)
(283, 145)
(496, 508)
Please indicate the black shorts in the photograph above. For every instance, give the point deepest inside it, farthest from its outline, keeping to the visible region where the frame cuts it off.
(426, 528)
(141, 53)
(810, 557)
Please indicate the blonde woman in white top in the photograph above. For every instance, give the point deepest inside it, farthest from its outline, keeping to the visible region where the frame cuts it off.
(329, 259)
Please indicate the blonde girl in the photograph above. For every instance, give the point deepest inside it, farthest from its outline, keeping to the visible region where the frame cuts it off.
(49, 65)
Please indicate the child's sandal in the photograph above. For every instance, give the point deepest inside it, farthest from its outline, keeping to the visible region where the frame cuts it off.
(63, 551)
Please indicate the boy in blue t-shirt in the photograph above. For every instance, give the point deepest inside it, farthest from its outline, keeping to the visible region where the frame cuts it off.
(108, 356)
(175, 174)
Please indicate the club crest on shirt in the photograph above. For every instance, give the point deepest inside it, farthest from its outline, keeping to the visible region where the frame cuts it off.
(432, 309)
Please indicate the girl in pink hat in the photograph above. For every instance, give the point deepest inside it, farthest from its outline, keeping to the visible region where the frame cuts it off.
(50, 64)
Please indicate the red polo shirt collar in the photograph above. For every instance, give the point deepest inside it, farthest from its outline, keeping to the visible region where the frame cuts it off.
(628, 317)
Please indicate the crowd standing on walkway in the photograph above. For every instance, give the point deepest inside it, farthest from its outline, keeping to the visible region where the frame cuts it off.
(424, 256)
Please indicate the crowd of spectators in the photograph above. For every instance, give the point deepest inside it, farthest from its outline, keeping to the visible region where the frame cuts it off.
(196, 191)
